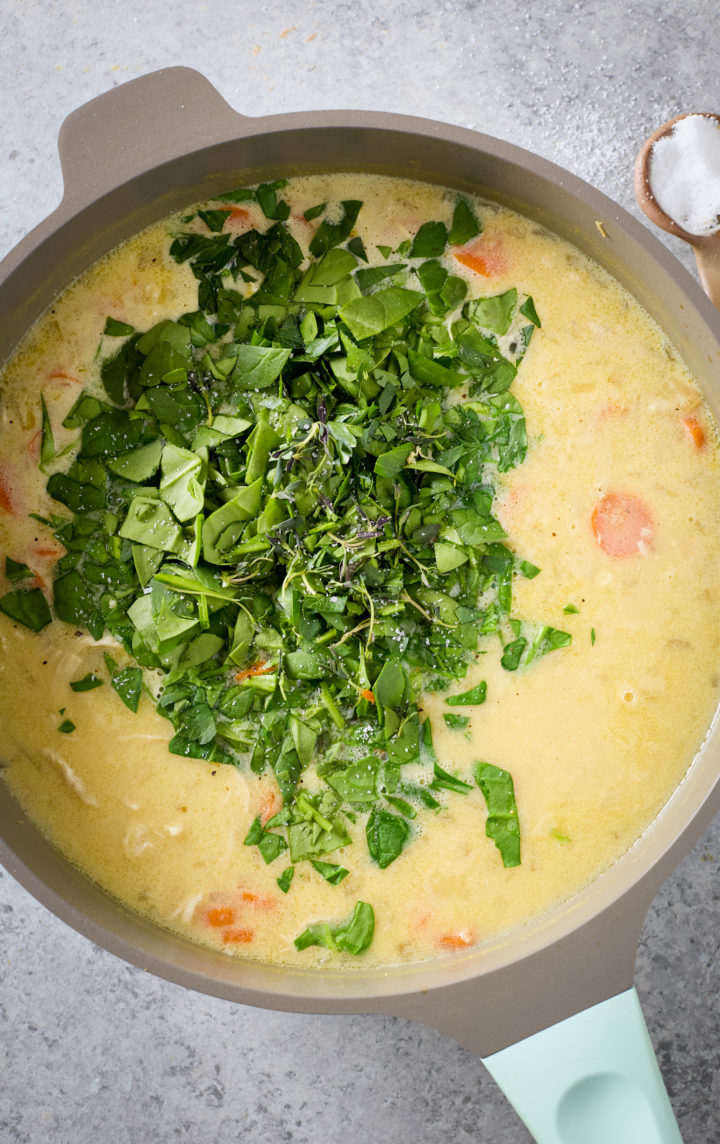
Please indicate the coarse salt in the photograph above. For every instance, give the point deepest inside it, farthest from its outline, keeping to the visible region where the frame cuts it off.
(684, 173)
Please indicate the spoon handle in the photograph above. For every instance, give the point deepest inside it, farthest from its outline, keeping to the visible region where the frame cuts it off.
(707, 257)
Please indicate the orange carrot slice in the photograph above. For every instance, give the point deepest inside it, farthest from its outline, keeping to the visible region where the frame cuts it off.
(42, 583)
(622, 525)
(612, 410)
(219, 916)
(257, 669)
(60, 375)
(258, 902)
(367, 694)
(7, 499)
(484, 257)
(696, 431)
(461, 940)
(52, 552)
(33, 445)
(239, 936)
(270, 806)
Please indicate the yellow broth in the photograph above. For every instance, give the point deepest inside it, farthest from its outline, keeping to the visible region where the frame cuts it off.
(596, 736)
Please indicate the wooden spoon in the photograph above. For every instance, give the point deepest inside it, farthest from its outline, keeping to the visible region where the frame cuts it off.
(706, 247)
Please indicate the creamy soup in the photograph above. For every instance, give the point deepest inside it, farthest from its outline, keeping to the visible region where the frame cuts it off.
(586, 705)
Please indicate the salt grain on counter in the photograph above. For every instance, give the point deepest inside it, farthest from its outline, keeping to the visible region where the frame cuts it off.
(684, 174)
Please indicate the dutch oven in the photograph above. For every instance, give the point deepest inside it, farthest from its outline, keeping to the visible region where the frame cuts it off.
(551, 1007)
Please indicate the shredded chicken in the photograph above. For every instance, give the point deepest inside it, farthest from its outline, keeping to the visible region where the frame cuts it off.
(73, 780)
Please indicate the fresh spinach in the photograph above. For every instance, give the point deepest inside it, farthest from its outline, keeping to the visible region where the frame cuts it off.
(285, 507)
(387, 835)
(15, 572)
(331, 873)
(88, 682)
(353, 936)
(456, 722)
(472, 698)
(29, 608)
(285, 879)
(270, 844)
(128, 683)
(503, 825)
(331, 234)
(464, 224)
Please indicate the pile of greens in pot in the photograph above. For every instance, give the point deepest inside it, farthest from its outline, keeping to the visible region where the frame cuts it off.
(284, 503)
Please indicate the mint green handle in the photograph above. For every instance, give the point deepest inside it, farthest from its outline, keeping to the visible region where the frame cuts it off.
(591, 1079)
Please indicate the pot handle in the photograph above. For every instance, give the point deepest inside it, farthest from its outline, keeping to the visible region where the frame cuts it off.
(590, 1079)
(140, 124)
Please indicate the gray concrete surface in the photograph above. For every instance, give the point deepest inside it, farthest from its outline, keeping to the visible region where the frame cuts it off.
(92, 1049)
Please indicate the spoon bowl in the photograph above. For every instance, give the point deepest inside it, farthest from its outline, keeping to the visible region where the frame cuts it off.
(706, 247)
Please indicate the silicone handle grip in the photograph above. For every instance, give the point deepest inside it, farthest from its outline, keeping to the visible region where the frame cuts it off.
(138, 125)
(127, 131)
(591, 1079)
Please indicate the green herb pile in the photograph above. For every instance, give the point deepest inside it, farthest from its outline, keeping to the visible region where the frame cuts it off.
(284, 503)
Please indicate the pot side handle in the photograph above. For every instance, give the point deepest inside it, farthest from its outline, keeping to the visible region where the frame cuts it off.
(590, 1079)
(137, 125)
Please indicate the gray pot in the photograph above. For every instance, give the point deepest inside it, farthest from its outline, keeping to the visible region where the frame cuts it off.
(161, 142)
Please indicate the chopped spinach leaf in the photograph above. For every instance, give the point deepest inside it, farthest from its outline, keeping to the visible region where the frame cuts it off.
(356, 247)
(331, 873)
(528, 570)
(285, 508)
(331, 234)
(464, 224)
(528, 309)
(443, 780)
(456, 722)
(29, 608)
(502, 825)
(512, 653)
(286, 878)
(270, 845)
(472, 698)
(128, 683)
(239, 195)
(430, 240)
(16, 572)
(353, 936)
(47, 441)
(88, 682)
(387, 834)
(117, 329)
(493, 313)
(270, 205)
(214, 220)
